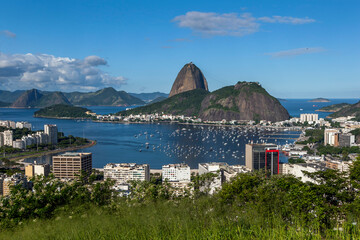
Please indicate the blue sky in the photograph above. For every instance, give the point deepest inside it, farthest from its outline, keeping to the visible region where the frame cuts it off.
(293, 48)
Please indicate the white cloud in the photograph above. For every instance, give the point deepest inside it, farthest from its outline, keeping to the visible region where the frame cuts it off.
(47, 72)
(295, 52)
(8, 33)
(288, 20)
(231, 24)
(210, 24)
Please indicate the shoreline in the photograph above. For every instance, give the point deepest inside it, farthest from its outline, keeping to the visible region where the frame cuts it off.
(166, 122)
(20, 159)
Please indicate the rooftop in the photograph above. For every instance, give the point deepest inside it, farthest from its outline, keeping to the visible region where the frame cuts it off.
(73, 154)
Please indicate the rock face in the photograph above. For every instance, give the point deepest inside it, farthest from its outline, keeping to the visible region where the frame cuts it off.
(244, 101)
(189, 78)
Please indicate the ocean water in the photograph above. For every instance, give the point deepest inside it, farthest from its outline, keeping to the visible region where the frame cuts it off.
(159, 144)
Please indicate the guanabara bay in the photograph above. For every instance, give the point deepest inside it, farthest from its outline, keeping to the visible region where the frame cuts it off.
(179, 120)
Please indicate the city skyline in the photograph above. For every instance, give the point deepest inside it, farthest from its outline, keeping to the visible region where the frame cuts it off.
(298, 50)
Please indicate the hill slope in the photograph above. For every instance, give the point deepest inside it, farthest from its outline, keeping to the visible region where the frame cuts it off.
(104, 97)
(186, 103)
(333, 107)
(52, 99)
(29, 98)
(352, 110)
(243, 101)
(62, 111)
(10, 97)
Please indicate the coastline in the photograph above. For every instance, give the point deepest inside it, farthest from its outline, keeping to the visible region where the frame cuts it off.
(167, 122)
(20, 159)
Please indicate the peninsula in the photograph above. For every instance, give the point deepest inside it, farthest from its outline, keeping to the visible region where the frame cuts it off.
(333, 108)
(63, 111)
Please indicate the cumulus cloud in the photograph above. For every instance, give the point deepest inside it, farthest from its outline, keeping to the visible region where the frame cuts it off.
(47, 72)
(231, 24)
(8, 33)
(295, 52)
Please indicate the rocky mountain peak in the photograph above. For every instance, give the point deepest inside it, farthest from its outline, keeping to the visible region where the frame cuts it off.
(189, 78)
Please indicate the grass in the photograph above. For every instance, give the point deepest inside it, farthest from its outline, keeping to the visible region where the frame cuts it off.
(167, 220)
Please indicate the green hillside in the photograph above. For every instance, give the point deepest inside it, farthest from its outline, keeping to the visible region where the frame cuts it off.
(186, 103)
(251, 206)
(62, 111)
(351, 110)
(333, 107)
(4, 104)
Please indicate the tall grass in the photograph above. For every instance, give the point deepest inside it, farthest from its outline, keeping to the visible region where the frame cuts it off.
(186, 219)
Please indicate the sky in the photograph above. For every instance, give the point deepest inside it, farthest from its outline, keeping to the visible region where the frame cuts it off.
(295, 49)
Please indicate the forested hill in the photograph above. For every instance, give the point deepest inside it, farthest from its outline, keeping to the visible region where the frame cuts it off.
(62, 111)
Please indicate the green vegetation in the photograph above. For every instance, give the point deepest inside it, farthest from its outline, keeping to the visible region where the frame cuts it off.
(251, 206)
(315, 136)
(351, 110)
(234, 91)
(4, 104)
(186, 103)
(356, 132)
(337, 150)
(296, 160)
(17, 132)
(62, 111)
(333, 107)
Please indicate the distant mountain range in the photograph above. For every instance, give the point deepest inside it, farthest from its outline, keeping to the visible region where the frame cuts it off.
(148, 97)
(35, 98)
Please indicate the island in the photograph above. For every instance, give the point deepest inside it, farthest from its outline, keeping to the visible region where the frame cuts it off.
(333, 107)
(319, 100)
(64, 111)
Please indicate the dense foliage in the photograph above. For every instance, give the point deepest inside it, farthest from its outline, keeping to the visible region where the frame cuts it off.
(251, 206)
(62, 111)
(296, 160)
(333, 107)
(351, 110)
(314, 136)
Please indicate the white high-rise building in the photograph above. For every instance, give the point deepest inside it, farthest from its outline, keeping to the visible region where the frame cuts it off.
(52, 131)
(122, 173)
(223, 173)
(176, 172)
(43, 138)
(8, 138)
(309, 117)
(331, 137)
(18, 143)
(23, 125)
